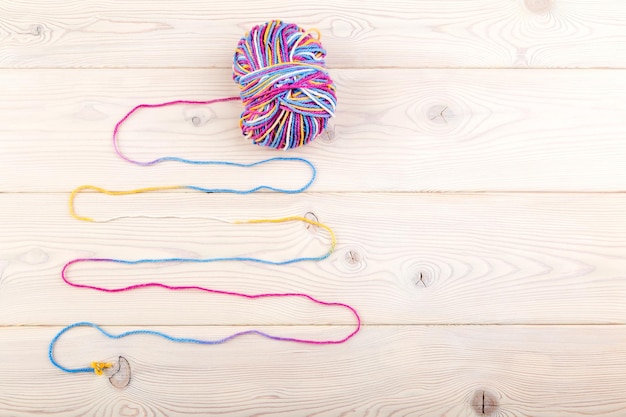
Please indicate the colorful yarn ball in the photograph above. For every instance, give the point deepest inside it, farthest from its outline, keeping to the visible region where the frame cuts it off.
(286, 91)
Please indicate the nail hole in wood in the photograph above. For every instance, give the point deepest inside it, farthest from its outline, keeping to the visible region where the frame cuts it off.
(197, 121)
(485, 403)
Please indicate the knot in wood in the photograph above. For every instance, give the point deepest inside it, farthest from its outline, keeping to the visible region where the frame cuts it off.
(485, 403)
(352, 257)
(37, 30)
(198, 116)
(422, 279)
(309, 215)
(119, 374)
(328, 135)
(440, 114)
(538, 6)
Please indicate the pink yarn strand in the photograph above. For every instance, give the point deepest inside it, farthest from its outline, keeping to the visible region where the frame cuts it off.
(154, 106)
(352, 310)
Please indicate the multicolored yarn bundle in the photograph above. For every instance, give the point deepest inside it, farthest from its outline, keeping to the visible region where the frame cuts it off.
(287, 93)
(288, 98)
(285, 88)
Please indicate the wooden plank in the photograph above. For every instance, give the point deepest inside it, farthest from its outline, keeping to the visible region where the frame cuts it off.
(453, 130)
(400, 259)
(195, 33)
(385, 371)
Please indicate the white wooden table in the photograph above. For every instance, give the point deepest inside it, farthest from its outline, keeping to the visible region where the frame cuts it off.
(474, 178)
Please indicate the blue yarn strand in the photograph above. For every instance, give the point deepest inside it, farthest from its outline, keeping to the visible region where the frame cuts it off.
(144, 332)
(222, 259)
(242, 165)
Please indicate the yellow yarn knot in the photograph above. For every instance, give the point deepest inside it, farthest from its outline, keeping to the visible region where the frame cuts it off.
(99, 367)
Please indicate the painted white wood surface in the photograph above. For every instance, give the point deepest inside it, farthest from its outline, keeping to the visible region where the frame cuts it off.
(508, 258)
(396, 130)
(474, 178)
(416, 371)
(357, 33)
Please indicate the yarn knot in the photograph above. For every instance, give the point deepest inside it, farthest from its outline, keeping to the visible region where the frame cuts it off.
(99, 367)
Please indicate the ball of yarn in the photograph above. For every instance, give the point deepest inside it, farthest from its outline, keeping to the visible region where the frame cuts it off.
(286, 91)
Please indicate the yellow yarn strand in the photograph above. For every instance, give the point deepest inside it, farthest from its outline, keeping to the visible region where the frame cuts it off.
(333, 238)
(78, 190)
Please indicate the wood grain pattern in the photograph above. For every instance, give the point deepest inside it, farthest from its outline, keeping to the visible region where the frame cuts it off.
(453, 130)
(500, 294)
(400, 259)
(386, 371)
(365, 33)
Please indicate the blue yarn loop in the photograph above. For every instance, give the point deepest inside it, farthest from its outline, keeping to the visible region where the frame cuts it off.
(145, 332)
(242, 165)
